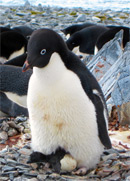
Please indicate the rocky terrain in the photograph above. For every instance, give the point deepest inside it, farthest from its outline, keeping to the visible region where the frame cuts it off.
(15, 135)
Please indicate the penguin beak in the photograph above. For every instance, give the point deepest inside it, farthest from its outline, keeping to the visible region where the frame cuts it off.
(26, 66)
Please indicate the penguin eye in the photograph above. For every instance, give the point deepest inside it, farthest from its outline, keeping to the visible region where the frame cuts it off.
(43, 51)
(73, 43)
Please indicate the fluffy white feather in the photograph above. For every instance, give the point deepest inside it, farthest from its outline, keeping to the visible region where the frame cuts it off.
(62, 115)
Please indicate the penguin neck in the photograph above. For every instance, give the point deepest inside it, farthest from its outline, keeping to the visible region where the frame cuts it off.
(51, 73)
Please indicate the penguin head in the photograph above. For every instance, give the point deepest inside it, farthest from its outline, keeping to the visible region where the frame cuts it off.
(12, 44)
(74, 41)
(42, 44)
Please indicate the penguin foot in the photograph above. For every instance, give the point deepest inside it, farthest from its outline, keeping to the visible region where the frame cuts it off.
(53, 159)
(81, 171)
(36, 157)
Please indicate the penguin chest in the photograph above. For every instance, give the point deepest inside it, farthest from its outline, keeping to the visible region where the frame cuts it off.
(60, 112)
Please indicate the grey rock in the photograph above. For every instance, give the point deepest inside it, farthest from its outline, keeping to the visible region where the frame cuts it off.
(128, 178)
(8, 168)
(2, 161)
(27, 4)
(12, 132)
(4, 178)
(3, 136)
(5, 126)
(124, 113)
(96, 19)
(22, 14)
(81, 18)
(40, 8)
(42, 177)
(10, 16)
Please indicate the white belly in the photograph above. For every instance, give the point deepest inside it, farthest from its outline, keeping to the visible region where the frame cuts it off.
(62, 115)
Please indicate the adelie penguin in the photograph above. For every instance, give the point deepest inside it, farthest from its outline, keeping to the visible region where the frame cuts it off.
(13, 44)
(74, 28)
(83, 42)
(66, 106)
(109, 35)
(13, 90)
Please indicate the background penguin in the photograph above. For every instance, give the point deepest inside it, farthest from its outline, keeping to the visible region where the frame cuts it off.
(65, 102)
(14, 83)
(3, 29)
(24, 30)
(72, 29)
(83, 41)
(109, 35)
(12, 44)
(10, 108)
(17, 61)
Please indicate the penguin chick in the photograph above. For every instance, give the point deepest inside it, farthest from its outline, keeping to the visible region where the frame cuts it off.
(65, 102)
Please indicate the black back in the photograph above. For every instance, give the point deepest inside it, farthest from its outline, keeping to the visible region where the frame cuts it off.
(13, 80)
(17, 61)
(77, 27)
(10, 108)
(109, 35)
(86, 39)
(24, 30)
(11, 41)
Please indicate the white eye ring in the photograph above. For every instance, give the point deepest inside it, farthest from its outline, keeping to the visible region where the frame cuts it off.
(43, 51)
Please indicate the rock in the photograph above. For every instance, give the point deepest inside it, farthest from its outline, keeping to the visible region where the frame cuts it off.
(96, 19)
(42, 177)
(27, 4)
(4, 178)
(12, 132)
(81, 18)
(124, 113)
(8, 168)
(3, 136)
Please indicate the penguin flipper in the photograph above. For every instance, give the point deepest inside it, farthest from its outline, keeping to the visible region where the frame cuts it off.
(102, 128)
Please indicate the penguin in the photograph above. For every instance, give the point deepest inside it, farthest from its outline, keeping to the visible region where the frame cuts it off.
(74, 28)
(66, 105)
(3, 29)
(109, 35)
(9, 108)
(14, 83)
(12, 44)
(17, 61)
(83, 41)
(24, 30)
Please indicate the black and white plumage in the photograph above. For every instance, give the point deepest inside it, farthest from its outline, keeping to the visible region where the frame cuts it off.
(14, 83)
(83, 42)
(10, 108)
(76, 27)
(109, 35)
(65, 103)
(17, 61)
(13, 44)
